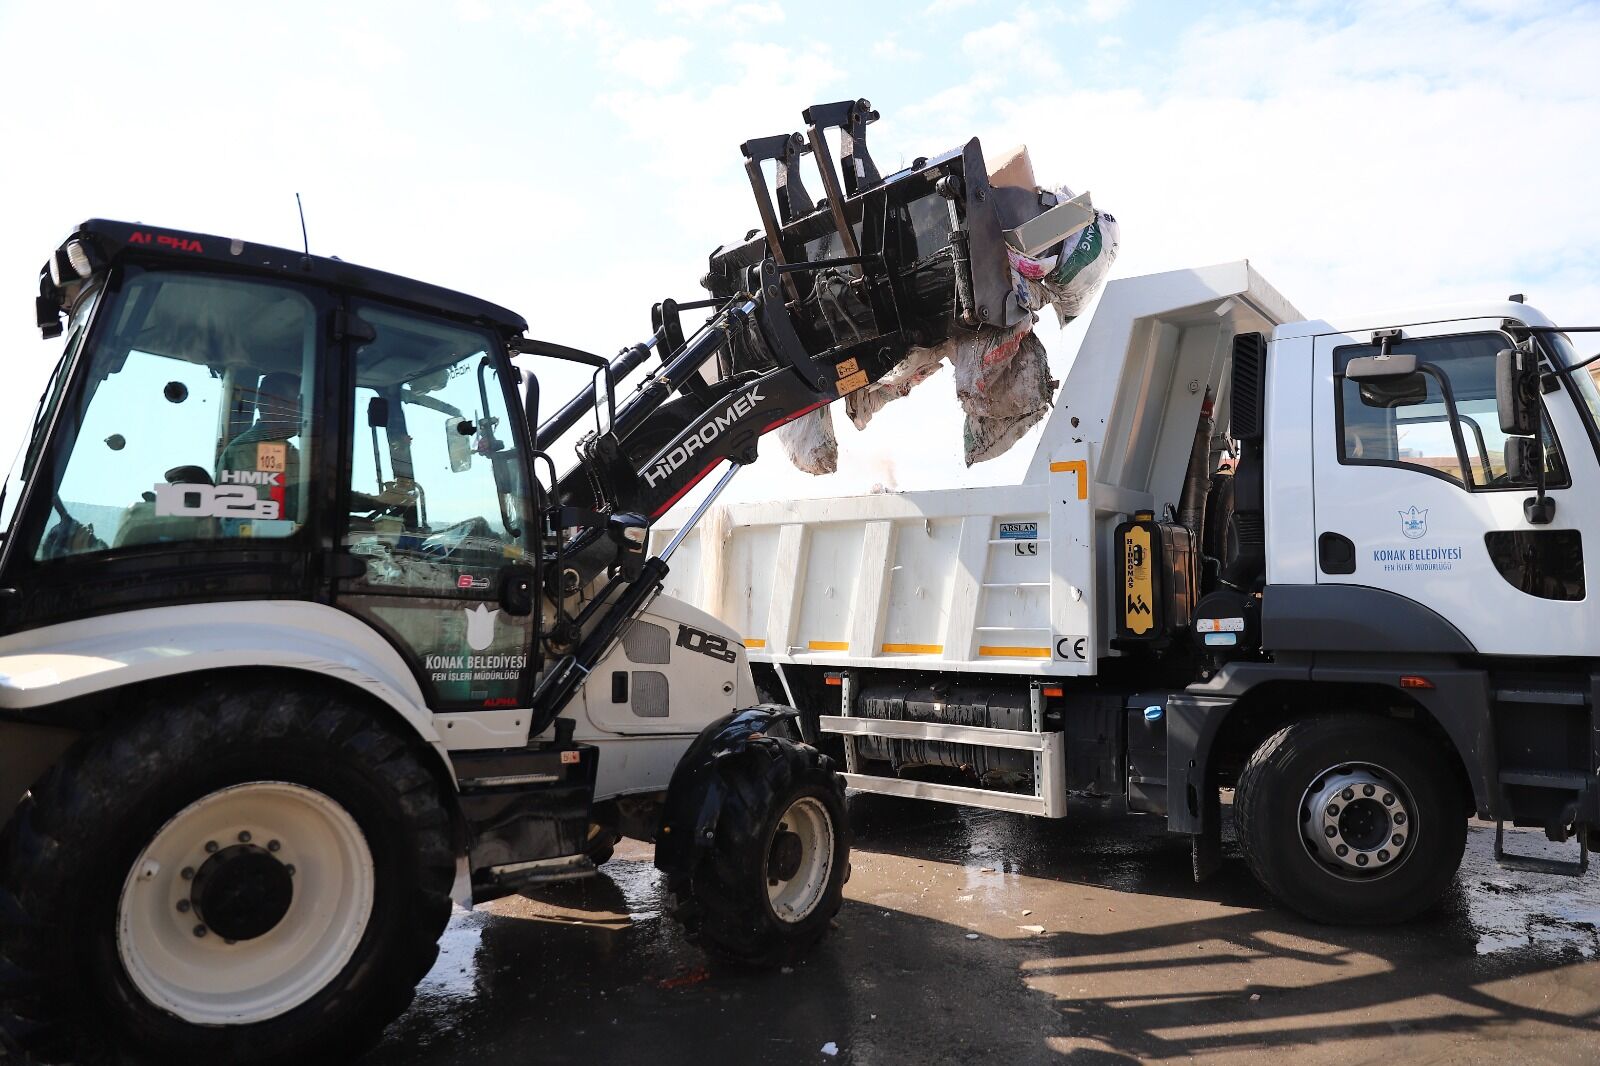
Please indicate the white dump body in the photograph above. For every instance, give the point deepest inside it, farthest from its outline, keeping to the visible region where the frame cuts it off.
(1005, 579)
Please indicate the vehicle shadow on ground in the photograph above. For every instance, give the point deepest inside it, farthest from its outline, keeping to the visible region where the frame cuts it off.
(1147, 964)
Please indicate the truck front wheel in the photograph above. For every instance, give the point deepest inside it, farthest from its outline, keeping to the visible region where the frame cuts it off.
(771, 875)
(241, 874)
(1350, 819)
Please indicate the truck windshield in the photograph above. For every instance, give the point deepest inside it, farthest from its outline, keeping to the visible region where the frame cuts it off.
(27, 457)
(1583, 380)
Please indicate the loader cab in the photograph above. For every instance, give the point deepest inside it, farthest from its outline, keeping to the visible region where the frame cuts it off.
(234, 422)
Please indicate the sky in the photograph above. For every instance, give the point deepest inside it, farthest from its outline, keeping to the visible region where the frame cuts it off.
(578, 160)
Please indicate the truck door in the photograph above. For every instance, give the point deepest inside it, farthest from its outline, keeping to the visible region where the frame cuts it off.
(437, 505)
(1412, 495)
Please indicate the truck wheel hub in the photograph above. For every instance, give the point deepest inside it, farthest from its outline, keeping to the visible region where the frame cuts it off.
(784, 861)
(242, 892)
(1356, 820)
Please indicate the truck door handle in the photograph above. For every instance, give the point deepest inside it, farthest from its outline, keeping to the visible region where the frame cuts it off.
(1336, 554)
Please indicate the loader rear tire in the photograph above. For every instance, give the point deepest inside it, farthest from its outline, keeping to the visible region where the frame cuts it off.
(1350, 819)
(242, 872)
(769, 885)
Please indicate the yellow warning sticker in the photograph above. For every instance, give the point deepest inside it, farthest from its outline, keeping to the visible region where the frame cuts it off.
(855, 381)
(272, 456)
(1138, 589)
(845, 369)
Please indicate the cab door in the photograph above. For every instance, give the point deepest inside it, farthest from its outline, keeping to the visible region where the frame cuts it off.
(438, 515)
(1412, 495)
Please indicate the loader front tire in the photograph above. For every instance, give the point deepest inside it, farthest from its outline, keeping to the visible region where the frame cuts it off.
(772, 878)
(1350, 819)
(242, 872)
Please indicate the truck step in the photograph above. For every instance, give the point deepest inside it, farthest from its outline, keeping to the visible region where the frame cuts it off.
(1563, 780)
(965, 795)
(1048, 801)
(1537, 863)
(1520, 694)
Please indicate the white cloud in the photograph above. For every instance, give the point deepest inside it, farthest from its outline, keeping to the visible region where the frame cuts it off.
(1018, 44)
(653, 61)
(759, 14)
(944, 7)
(1102, 10)
(889, 48)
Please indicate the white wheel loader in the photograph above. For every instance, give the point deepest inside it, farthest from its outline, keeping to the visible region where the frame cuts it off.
(298, 614)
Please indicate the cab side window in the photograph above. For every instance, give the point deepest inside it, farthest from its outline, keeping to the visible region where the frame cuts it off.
(1441, 420)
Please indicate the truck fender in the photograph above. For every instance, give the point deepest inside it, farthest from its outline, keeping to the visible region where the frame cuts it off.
(695, 794)
(41, 668)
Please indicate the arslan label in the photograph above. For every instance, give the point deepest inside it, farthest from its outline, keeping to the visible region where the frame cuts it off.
(703, 437)
(1019, 531)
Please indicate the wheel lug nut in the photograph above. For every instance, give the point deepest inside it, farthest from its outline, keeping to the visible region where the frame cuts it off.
(1383, 856)
(183, 906)
(1341, 851)
(273, 845)
(1333, 810)
(244, 836)
(1330, 832)
(289, 867)
(187, 873)
(1361, 860)
(1388, 799)
(1367, 790)
(1399, 817)
(199, 930)
(1348, 794)
(211, 847)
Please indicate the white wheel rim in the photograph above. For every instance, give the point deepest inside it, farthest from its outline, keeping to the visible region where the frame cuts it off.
(794, 899)
(204, 979)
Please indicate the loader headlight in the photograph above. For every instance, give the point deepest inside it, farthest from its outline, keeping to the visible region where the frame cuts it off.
(70, 264)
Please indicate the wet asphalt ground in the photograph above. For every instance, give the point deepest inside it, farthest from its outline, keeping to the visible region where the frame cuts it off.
(970, 936)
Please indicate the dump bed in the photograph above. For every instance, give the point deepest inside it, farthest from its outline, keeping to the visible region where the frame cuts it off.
(1005, 579)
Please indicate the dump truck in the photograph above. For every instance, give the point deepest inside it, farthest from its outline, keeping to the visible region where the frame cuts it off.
(311, 614)
(1336, 566)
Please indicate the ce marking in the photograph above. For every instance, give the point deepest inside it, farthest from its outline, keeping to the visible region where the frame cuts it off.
(1071, 649)
(1025, 547)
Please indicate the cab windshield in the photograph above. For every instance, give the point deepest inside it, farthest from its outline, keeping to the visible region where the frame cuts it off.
(1583, 380)
(187, 420)
(27, 457)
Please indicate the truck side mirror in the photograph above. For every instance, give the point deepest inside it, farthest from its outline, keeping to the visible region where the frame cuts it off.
(1524, 458)
(1516, 391)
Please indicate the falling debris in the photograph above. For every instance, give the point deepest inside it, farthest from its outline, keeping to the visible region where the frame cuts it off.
(972, 936)
(830, 1049)
(1038, 929)
(684, 980)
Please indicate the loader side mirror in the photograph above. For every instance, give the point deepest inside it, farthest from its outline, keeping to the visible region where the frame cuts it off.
(630, 533)
(1516, 391)
(517, 583)
(458, 443)
(1376, 367)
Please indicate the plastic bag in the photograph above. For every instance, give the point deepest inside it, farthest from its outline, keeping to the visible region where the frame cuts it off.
(810, 442)
(1003, 382)
(919, 365)
(1068, 279)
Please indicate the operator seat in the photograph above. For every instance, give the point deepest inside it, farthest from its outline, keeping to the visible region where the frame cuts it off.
(265, 447)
